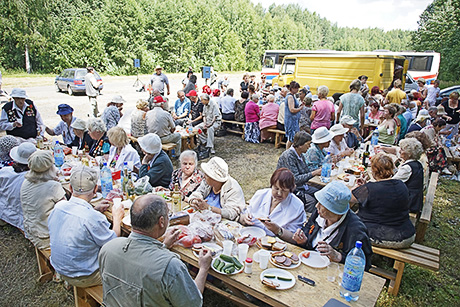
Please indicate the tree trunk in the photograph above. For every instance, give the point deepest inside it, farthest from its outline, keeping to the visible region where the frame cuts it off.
(26, 54)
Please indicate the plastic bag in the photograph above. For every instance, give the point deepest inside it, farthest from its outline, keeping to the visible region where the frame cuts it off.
(207, 216)
(186, 237)
(114, 194)
(202, 229)
(142, 186)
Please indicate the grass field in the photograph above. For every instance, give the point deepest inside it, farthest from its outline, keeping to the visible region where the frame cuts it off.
(252, 165)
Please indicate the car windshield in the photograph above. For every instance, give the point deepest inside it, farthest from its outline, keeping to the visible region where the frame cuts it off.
(80, 74)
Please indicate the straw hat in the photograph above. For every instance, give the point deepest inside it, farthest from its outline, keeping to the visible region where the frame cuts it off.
(21, 153)
(422, 115)
(338, 129)
(335, 197)
(321, 135)
(216, 168)
(347, 120)
(79, 124)
(118, 99)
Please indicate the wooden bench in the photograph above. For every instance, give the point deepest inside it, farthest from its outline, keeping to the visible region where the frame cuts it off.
(234, 122)
(416, 254)
(88, 297)
(425, 216)
(45, 268)
(279, 135)
(167, 147)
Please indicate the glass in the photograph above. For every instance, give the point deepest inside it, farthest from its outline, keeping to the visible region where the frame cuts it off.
(332, 271)
(263, 259)
(242, 252)
(228, 246)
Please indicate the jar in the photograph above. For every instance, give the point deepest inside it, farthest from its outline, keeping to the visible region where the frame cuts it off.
(248, 266)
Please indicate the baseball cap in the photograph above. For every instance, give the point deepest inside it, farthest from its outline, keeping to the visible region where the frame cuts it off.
(83, 179)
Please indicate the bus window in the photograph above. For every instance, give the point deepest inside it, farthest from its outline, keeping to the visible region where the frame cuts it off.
(269, 62)
(288, 67)
(421, 63)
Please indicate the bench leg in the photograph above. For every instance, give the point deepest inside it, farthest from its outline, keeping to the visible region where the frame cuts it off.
(420, 233)
(394, 284)
(277, 140)
(82, 299)
(44, 269)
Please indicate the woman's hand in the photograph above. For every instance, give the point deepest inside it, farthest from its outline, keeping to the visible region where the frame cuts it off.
(273, 227)
(316, 172)
(246, 219)
(299, 237)
(200, 204)
(327, 250)
(348, 152)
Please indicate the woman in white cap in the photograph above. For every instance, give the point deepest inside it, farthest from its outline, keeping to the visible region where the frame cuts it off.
(112, 114)
(36, 205)
(338, 146)
(7, 142)
(156, 163)
(315, 155)
(420, 121)
(332, 229)
(82, 139)
(11, 179)
(121, 151)
(219, 192)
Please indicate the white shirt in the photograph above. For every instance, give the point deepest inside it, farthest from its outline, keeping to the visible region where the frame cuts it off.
(227, 104)
(432, 94)
(281, 111)
(289, 214)
(10, 196)
(404, 171)
(67, 132)
(324, 232)
(6, 125)
(127, 154)
(334, 147)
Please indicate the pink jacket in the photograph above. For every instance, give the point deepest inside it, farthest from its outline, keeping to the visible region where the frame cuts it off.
(268, 115)
(252, 111)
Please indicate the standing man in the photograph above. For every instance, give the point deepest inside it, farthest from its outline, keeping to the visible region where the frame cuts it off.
(396, 95)
(20, 117)
(92, 86)
(181, 108)
(158, 81)
(432, 94)
(64, 127)
(211, 121)
(126, 263)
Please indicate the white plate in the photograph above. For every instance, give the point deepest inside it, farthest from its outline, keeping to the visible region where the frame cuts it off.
(96, 197)
(236, 272)
(293, 266)
(283, 273)
(253, 231)
(212, 246)
(127, 220)
(315, 260)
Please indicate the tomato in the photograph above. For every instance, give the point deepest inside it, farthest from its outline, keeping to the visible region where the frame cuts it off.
(306, 254)
(188, 241)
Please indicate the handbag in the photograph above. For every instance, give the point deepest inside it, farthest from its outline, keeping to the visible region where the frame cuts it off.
(202, 152)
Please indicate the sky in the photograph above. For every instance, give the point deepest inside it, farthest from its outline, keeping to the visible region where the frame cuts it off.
(383, 14)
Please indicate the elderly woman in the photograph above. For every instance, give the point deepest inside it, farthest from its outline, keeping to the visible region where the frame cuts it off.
(138, 126)
(188, 176)
(240, 105)
(322, 112)
(112, 114)
(82, 139)
(98, 132)
(36, 205)
(338, 146)
(422, 88)
(321, 140)
(333, 229)
(352, 104)
(292, 159)
(268, 117)
(401, 122)
(375, 96)
(121, 151)
(278, 203)
(386, 215)
(436, 156)
(375, 113)
(387, 128)
(11, 179)
(411, 172)
(252, 114)
(7, 143)
(292, 110)
(219, 192)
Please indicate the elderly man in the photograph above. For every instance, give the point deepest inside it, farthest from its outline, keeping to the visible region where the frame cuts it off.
(20, 117)
(126, 263)
(352, 137)
(92, 89)
(396, 95)
(64, 127)
(181, 108)
(227, 105)
(159, 80)
(160, 122)
(196, 114)
(78, 231)
(211, 121)
(156, 163)
(420, 121)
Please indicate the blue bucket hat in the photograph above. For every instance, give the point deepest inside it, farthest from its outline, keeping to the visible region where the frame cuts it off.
(335, 197)
(64, 109)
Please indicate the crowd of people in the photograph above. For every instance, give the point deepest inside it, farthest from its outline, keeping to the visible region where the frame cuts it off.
(86, 250)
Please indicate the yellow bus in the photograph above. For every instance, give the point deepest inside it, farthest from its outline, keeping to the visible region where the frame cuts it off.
(336, 69)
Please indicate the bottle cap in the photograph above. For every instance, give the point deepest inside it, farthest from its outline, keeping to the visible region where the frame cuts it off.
(105, 163)
(57, 142)
(359, 244)
(125, 163)
(248, 260)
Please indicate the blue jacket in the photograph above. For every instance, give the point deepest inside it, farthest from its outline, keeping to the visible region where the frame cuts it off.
(159, 171)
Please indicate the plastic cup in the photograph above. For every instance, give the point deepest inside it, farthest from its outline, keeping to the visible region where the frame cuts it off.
(228, 246)
(263, 259)
(332, 271)
(242, 252)
(116, 202)
(74, 150)
(351, 181)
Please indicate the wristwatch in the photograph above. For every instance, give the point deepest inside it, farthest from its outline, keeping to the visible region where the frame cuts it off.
(280, 232)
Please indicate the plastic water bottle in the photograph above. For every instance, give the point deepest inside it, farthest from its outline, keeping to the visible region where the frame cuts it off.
(448, 142)
(375, 137)
(326, 169)
(353, 273)
(190, 127)
(58, 154)
(106, 180)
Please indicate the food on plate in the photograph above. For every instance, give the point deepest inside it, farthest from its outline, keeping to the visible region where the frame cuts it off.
(207, 217)
(342, 176)
(305, 254)
(271, 243)
(264, 219)
(285, 259)
(227, 264)
(278, 246)
(247, 239)
(270, 284)
(197, 247)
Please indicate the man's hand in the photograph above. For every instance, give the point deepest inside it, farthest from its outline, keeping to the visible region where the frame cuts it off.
(17, 125)
(118, 213)
(102, 206)
(316, 172)
(204, 259)
(147, 158)
(299, 237)
(171, 236)
(326, 250)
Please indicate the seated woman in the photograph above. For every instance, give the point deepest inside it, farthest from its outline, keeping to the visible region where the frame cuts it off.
(268, 117)
(277, 203)
(36, 205)
(387, 127)
(82, 139)
(437, 160)
(138, 126)
(333, 229)
(112, 114)
(315, 155)
(121, 151)
(375, 113)
(98, 132)
(188, 176)
(338, 147)
(219, 192)
(411, 172)
(386, 215)
(292, 159)
(7, 142)
(11, 179)
(252, 115)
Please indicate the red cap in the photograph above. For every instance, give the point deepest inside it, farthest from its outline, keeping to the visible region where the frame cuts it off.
(158, 99)
(192, 93)
(216, 92)
(249, 260)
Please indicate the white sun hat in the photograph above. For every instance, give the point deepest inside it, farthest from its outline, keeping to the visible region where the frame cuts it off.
(338, 129)
(216, 168)
(321, 135)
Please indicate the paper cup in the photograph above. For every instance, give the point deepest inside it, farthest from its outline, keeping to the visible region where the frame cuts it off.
(242, 252)
(228, 246)
(74, 150)
(263, 259)
(116, 202)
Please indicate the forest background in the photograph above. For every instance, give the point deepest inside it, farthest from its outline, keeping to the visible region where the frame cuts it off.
(46, 36)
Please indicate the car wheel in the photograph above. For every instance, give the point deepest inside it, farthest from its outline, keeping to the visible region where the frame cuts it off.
(69, 90)
(57, 87)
